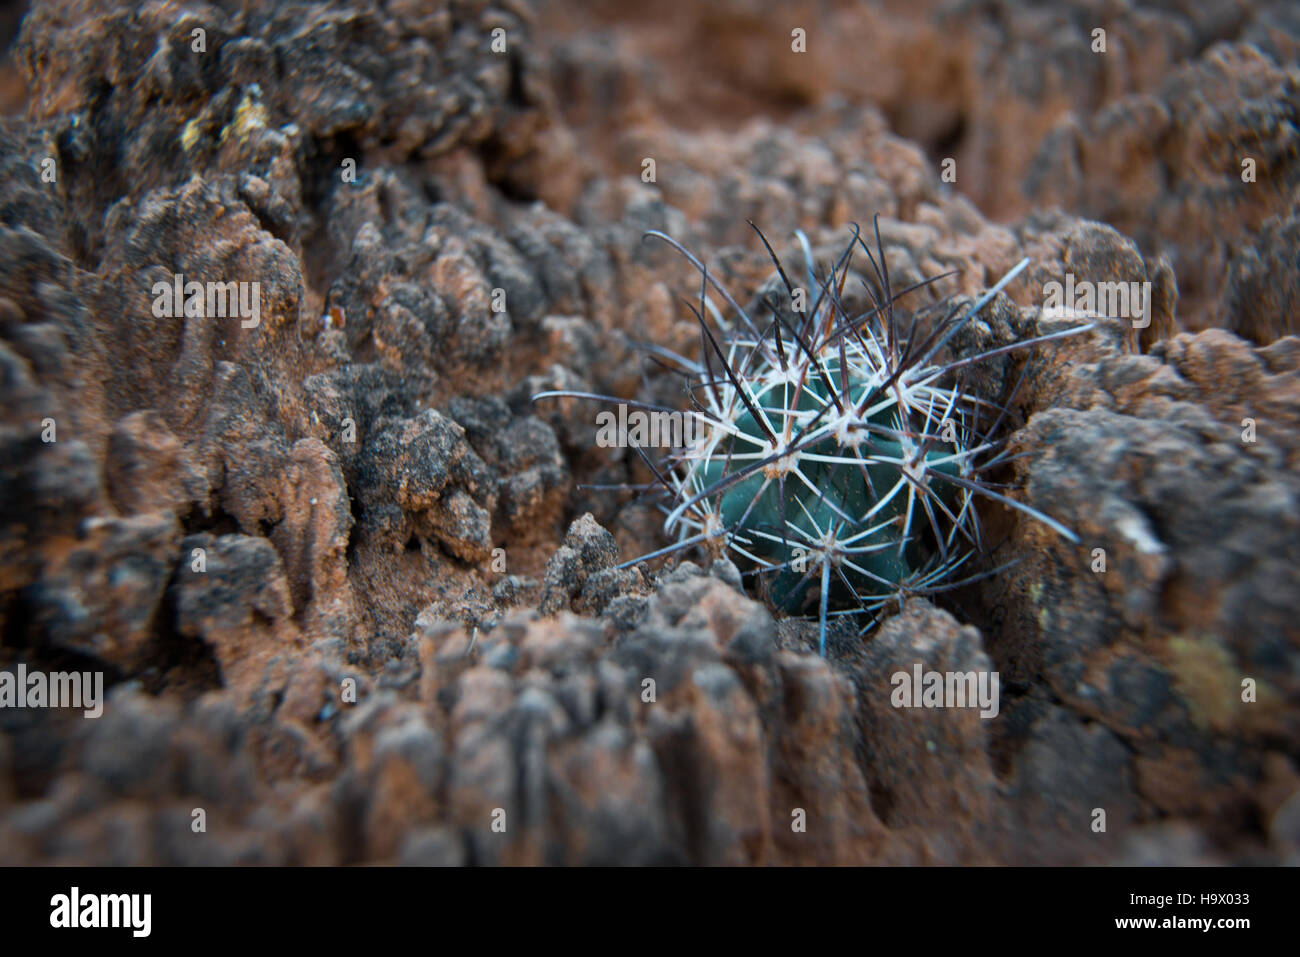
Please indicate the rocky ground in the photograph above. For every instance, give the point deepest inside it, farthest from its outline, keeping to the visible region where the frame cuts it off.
(352, 592)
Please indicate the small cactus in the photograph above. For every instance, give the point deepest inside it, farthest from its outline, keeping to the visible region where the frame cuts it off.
(838, 458)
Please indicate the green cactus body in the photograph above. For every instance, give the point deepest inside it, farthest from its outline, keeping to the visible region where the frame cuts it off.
(839, 456)
(823, 489)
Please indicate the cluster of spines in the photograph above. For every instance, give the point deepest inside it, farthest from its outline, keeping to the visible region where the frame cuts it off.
(837, 452)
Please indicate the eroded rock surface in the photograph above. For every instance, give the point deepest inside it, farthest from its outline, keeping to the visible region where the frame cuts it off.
(358, 598)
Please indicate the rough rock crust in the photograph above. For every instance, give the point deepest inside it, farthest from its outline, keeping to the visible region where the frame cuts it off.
(354, 594)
